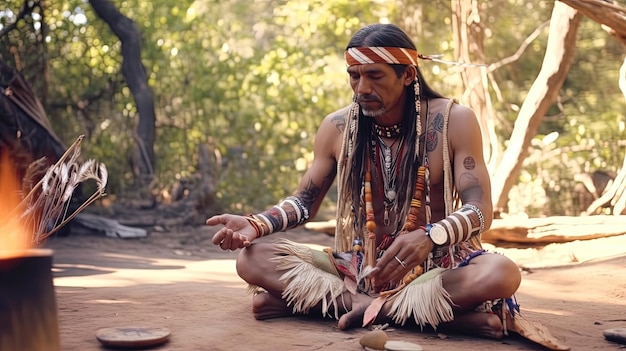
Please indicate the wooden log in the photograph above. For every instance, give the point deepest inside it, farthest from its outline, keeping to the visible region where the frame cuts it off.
(546, 230)
(108, 227)
(556, 229)
(327, 227)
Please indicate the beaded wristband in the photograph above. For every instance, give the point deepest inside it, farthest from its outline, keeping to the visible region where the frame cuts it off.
(481, 217)
(279, 217)
(274, 216)
(295, 207)
(299, 206)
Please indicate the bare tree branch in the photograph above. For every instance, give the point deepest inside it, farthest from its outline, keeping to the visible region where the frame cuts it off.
(607, 13)
(542, 94)
(505, 61)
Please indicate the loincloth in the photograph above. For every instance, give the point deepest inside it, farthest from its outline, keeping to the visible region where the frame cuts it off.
(316, 278)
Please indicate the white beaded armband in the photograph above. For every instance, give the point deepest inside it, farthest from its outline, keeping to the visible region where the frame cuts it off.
(459, 226)
(481, 218)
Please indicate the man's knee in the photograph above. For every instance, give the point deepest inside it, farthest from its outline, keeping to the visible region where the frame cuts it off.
(253, 263)
(507, 275)
(244, 265)
(497, 274)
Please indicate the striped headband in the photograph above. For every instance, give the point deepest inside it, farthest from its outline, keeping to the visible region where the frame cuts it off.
(379, 54)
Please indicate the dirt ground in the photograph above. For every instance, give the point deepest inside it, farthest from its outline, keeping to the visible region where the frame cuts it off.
(179, 281)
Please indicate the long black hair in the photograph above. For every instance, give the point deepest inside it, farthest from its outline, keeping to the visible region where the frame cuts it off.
(389, 35)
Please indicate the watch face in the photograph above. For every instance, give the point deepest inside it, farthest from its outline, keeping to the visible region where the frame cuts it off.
(438, 234)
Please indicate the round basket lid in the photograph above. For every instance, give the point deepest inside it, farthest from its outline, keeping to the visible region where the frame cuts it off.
(132, 336)
(397, 345)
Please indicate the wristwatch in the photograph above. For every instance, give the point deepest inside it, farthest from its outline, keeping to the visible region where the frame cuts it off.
(437, 234)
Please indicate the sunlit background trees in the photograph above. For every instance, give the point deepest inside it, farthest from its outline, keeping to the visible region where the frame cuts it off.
(251, 80)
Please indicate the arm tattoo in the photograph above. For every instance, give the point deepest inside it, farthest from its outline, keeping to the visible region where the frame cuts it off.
(340, 122)
(469, 163)
(469, 188)
(293, 210)
(289, 213)
(467, 221)
(431, 134)
(431, 140)
(310, 194)
(438, 122)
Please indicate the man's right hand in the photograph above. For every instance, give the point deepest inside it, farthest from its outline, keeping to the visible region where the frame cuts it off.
(237, 232)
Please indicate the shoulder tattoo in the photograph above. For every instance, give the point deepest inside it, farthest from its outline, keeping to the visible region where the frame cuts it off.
(431, 140)
(339, 120)
(438, 122)
(436, 126)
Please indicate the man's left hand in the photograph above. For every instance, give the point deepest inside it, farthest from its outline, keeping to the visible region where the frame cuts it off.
(407, 251)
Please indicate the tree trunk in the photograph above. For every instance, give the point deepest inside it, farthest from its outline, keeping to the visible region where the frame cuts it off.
(616, 193)
(556, 229)
(468, 33)
(607, 13)
(619, 200)
(556, 64)
(26, 47)
(137, 80)
(611, 16)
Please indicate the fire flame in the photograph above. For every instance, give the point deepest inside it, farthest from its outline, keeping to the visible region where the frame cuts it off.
(14, 238)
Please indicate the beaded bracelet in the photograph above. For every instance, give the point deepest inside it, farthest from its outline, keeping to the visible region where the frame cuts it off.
(260, 227)
(481, 218)
(279, 218)
(295, 207)
(299, 206)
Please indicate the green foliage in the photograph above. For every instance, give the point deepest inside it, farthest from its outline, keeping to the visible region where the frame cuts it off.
(588, 122)
(254, 79)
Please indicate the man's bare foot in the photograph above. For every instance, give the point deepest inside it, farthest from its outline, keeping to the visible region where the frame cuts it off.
(477, 323)
(356, 304)
(266, 306)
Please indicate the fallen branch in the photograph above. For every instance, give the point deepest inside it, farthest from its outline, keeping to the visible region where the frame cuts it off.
(547, 230)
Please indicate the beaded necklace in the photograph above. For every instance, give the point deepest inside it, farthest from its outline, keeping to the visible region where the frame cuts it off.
(354, 181)
(388, 168)
(422, 183)
(392, 131)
